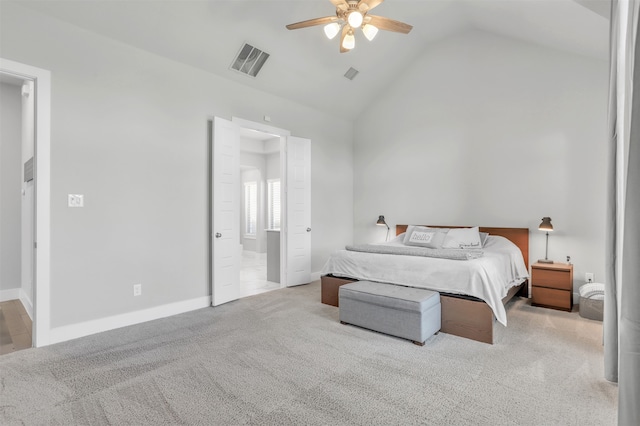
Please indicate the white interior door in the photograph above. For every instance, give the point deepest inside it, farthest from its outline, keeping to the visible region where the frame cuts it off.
(225, 211)
(298, 211)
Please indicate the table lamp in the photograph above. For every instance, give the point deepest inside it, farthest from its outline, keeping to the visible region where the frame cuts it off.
(548, 227)
(381, 222)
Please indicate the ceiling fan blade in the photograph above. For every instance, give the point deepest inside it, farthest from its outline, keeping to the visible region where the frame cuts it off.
(387, 24)
(340, 4)
(366, 5)
(345, 31)
(312, 22)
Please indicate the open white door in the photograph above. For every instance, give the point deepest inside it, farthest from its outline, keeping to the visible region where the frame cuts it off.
(298, 211)
(225, 212)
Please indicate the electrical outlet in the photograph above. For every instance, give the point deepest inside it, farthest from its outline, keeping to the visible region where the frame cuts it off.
(588, 277)
(75, 200)
(137, 289)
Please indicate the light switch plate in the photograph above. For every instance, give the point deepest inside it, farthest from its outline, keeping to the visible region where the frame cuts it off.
(76, 200)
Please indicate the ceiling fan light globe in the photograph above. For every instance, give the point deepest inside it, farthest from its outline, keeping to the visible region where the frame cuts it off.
(349, 41)
(331, 30)
(355, 19)
(369, 31)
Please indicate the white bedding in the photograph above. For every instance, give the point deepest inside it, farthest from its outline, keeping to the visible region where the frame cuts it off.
(488, 278)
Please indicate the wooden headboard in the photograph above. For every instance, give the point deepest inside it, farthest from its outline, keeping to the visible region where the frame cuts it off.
(518, 236)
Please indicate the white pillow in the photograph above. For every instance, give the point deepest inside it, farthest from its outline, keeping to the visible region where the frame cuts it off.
(463, 238)
(407, 233)
(410, 229)
(424, 237)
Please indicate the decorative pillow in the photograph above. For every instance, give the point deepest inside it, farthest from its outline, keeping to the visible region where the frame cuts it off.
(424, 237)
(410, 229)
(407, 233)
(463, 238)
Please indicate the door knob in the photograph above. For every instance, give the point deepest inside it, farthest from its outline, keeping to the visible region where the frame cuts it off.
(218, 235)
(308, 229)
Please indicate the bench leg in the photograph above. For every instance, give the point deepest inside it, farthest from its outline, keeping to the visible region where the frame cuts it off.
(417, 343)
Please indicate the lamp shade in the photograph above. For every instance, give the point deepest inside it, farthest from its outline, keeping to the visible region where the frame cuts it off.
(369, 31)
(546, 225)
(355, 19)
(331, 30)
(349, 41)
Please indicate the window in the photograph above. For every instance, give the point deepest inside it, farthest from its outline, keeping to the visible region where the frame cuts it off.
(273, 194)
(250, 207)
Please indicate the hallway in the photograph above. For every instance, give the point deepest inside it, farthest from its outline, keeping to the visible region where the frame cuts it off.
(15, 327)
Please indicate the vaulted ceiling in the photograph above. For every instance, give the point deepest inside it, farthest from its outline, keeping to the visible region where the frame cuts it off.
(307, 67)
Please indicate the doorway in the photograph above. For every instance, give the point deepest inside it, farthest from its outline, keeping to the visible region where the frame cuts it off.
(228, 232)
(16, 217)
(260, 160)
(34, 192)
(17, 212)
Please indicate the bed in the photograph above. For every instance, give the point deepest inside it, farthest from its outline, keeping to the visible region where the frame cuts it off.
(467, 309)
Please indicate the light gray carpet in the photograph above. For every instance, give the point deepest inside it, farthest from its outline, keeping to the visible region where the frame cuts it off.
(283, 358)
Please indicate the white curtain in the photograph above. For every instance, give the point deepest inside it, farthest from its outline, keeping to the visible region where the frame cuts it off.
(622, 292)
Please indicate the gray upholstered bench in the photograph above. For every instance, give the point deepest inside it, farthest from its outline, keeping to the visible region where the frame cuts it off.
(407, 312)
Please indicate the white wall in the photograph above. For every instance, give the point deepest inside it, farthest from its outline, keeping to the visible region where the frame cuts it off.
(10, 196)
(129, 131)
(490, 131)
(273, 172)
(273, 166)
(258, 242)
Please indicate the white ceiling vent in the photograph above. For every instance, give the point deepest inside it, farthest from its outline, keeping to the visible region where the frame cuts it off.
(249, 60)
(351, 73)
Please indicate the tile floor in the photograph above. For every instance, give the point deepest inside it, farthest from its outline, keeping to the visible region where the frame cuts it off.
(253, 274)
(15, 327)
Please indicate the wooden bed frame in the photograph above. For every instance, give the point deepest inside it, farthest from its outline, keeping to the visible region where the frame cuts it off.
(463, 316)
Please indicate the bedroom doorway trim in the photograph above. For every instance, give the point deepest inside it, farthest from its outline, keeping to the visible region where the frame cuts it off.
(295, 246)
(295, 261)
(42, 157)
(283, 134)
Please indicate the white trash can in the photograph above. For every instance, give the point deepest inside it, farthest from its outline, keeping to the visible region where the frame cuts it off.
(592, 301)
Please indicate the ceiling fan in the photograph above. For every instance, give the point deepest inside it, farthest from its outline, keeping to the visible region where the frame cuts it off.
(350, 15)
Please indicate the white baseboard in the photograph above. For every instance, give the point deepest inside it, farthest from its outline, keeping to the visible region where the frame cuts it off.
(18, 294)
(27, 303)
(10, 294)
(315, 276)
(74, 331)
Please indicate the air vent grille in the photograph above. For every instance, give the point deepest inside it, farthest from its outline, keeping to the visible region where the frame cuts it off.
(249, 60)
(351, 73)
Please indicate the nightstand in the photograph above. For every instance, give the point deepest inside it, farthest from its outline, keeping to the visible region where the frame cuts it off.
(552, 285)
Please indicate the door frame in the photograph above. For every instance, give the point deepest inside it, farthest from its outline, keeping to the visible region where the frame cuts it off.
(42, 187)
(283, 134)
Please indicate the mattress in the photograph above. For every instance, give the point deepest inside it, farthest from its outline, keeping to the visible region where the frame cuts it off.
(488, 278)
